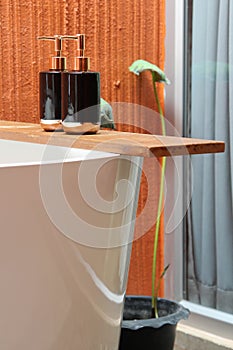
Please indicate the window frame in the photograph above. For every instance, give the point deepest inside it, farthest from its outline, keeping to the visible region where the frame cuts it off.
(177, 107)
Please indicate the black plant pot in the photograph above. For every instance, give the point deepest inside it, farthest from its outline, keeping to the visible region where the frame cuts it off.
(140, 331)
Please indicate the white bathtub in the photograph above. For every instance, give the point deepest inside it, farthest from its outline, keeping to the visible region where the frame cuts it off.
(67, 217)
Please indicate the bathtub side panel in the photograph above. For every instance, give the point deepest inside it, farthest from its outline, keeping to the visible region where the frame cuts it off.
(56, 291)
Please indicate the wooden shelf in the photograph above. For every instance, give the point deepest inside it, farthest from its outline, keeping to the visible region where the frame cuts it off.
(133, 144)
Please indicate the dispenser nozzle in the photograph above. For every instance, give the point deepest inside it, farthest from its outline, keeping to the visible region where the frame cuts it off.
(81, 45)
(57, 62)
(82, 63)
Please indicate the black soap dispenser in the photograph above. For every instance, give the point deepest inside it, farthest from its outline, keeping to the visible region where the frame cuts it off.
(50, 87)
(80, 94)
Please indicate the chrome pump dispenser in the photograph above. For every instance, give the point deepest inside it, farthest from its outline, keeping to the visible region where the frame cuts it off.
(50, 87)
(80, 93)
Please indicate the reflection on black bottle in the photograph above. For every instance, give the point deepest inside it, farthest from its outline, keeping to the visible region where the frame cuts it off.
(50, 95)
(49, 110)
(70, 117)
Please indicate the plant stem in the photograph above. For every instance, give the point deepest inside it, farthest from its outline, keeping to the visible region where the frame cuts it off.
(159, 109)
(158, 217)
(154, 296)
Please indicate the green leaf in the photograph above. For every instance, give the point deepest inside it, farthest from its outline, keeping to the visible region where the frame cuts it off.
(140, 66)
(106, 115)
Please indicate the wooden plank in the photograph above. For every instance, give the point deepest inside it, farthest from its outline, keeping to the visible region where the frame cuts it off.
(133, 144)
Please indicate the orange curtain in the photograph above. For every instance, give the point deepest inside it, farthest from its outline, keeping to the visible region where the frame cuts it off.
(118, 32)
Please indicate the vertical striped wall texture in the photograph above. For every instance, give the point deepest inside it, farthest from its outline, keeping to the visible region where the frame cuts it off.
(118, 32)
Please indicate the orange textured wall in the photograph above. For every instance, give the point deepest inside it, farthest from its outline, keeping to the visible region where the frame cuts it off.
(118, 32)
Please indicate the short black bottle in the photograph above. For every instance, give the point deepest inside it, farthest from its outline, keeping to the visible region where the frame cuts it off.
(81, 94)
(50, 88)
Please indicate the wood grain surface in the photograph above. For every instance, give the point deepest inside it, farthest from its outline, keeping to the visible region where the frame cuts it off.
(126, 143)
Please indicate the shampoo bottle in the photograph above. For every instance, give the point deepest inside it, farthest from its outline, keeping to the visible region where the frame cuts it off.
(80, 94)
(50, 87)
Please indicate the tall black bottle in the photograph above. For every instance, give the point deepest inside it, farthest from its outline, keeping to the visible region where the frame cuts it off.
(80, 94)
(50, 87)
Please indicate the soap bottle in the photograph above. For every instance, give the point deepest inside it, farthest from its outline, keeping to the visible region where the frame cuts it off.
(80, 94)
(50, 87)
